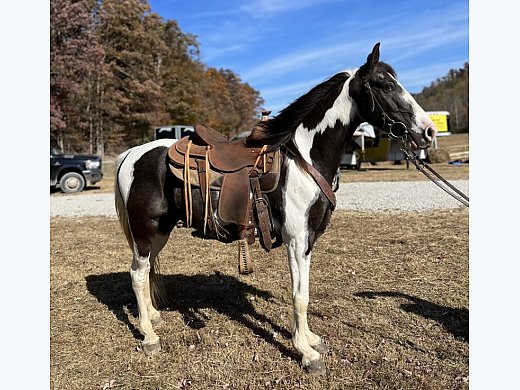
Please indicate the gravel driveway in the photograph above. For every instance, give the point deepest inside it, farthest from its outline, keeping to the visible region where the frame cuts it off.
(382, 196)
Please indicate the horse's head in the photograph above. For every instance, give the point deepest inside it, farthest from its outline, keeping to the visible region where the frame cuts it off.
(383, 102)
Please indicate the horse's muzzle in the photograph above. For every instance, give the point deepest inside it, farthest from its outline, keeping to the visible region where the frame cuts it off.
(424, 140)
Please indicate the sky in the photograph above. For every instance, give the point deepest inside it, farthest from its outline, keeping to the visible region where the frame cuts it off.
(283, 48)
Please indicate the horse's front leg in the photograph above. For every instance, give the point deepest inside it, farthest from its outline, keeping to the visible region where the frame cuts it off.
(304, 341)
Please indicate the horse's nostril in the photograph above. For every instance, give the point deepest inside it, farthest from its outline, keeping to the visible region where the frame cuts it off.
(430, 133)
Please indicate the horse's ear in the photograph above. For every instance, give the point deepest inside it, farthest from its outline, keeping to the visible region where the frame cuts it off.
(372, 60)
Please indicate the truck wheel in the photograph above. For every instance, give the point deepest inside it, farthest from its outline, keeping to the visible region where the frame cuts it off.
(72, 182)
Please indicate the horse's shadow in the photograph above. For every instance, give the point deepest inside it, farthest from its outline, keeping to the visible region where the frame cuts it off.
(188, 295)
(455, 321)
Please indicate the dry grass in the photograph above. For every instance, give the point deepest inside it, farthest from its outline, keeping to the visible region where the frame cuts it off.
(389, 294)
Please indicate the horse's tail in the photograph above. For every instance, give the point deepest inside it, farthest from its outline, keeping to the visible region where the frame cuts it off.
(122, 215)
(157, 289)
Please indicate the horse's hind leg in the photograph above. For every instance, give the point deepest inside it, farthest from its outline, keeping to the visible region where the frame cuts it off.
(155, 316)
(140, 283)
(142, 262)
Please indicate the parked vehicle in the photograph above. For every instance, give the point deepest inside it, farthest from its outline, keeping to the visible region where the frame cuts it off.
(175, 132)
(368, 144)
(72, 172)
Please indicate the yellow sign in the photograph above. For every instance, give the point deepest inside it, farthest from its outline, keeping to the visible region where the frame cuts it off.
(440, 121)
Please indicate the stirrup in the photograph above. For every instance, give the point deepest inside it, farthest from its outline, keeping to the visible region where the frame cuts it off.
(245, 264)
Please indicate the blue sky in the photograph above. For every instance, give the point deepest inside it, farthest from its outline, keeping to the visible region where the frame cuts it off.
(283, 48)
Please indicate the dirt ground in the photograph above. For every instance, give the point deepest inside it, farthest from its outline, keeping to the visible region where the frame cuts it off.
(389, 295)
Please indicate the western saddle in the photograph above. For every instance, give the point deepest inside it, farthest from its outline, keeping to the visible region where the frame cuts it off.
(207, 160)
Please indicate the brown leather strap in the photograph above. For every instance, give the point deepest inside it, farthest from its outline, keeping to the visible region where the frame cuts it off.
(206, 190)
(245, 262)
(316, 175)
(203, 171)
(187, 187)
(322, 183)
(261, 154)
(264, 222)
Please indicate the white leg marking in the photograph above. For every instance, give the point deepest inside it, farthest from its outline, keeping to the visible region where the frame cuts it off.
(140, 283)
(301, 192)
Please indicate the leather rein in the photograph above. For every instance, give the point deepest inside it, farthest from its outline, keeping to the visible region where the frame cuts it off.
(420, 165)
(399, 131)
(326, 188)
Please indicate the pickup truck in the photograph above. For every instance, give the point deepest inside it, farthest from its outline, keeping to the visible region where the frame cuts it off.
(71, 172)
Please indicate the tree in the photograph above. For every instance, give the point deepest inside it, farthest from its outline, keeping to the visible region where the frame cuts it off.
(450, 93)
(182, 75)
(231, 105)
(75, 57)
(131, 36)
(118, 69)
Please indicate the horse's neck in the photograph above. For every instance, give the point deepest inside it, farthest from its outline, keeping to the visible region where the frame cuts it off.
(323, 146)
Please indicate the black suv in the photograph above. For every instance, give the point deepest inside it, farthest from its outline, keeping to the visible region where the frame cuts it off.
(71, 172)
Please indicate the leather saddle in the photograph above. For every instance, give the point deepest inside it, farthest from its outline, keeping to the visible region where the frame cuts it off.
(242, 174)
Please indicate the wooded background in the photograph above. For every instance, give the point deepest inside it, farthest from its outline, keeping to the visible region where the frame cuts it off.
(449, 93)
(118, 70)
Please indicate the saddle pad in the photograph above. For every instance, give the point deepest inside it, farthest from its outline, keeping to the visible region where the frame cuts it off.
(230, 166)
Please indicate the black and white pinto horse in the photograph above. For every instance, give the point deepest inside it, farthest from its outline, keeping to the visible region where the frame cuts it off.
(150, 199)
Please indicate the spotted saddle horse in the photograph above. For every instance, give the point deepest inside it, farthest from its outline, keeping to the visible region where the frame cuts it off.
(241, 174)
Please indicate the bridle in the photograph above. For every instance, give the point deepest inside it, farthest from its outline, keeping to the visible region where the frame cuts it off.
(399, 131)
(395, 129)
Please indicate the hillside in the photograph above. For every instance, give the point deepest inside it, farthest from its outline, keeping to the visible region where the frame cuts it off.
(450, 93)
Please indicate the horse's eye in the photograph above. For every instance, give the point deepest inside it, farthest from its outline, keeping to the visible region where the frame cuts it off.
(388, 87)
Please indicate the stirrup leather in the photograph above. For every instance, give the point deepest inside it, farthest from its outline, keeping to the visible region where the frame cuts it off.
(245, 264)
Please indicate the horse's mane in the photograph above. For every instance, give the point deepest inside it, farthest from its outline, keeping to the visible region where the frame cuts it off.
(387, 68)
(279, 130)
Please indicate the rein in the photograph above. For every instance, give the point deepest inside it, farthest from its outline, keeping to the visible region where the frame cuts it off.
(420, 165)
(399, 131)
(325, 187)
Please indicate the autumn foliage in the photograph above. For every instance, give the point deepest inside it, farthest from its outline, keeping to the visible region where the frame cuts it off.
(118, 70)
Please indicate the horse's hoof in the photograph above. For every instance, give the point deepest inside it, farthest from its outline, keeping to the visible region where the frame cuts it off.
(321, 347)
(157, 321)
(316, 367)
(151, 349)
